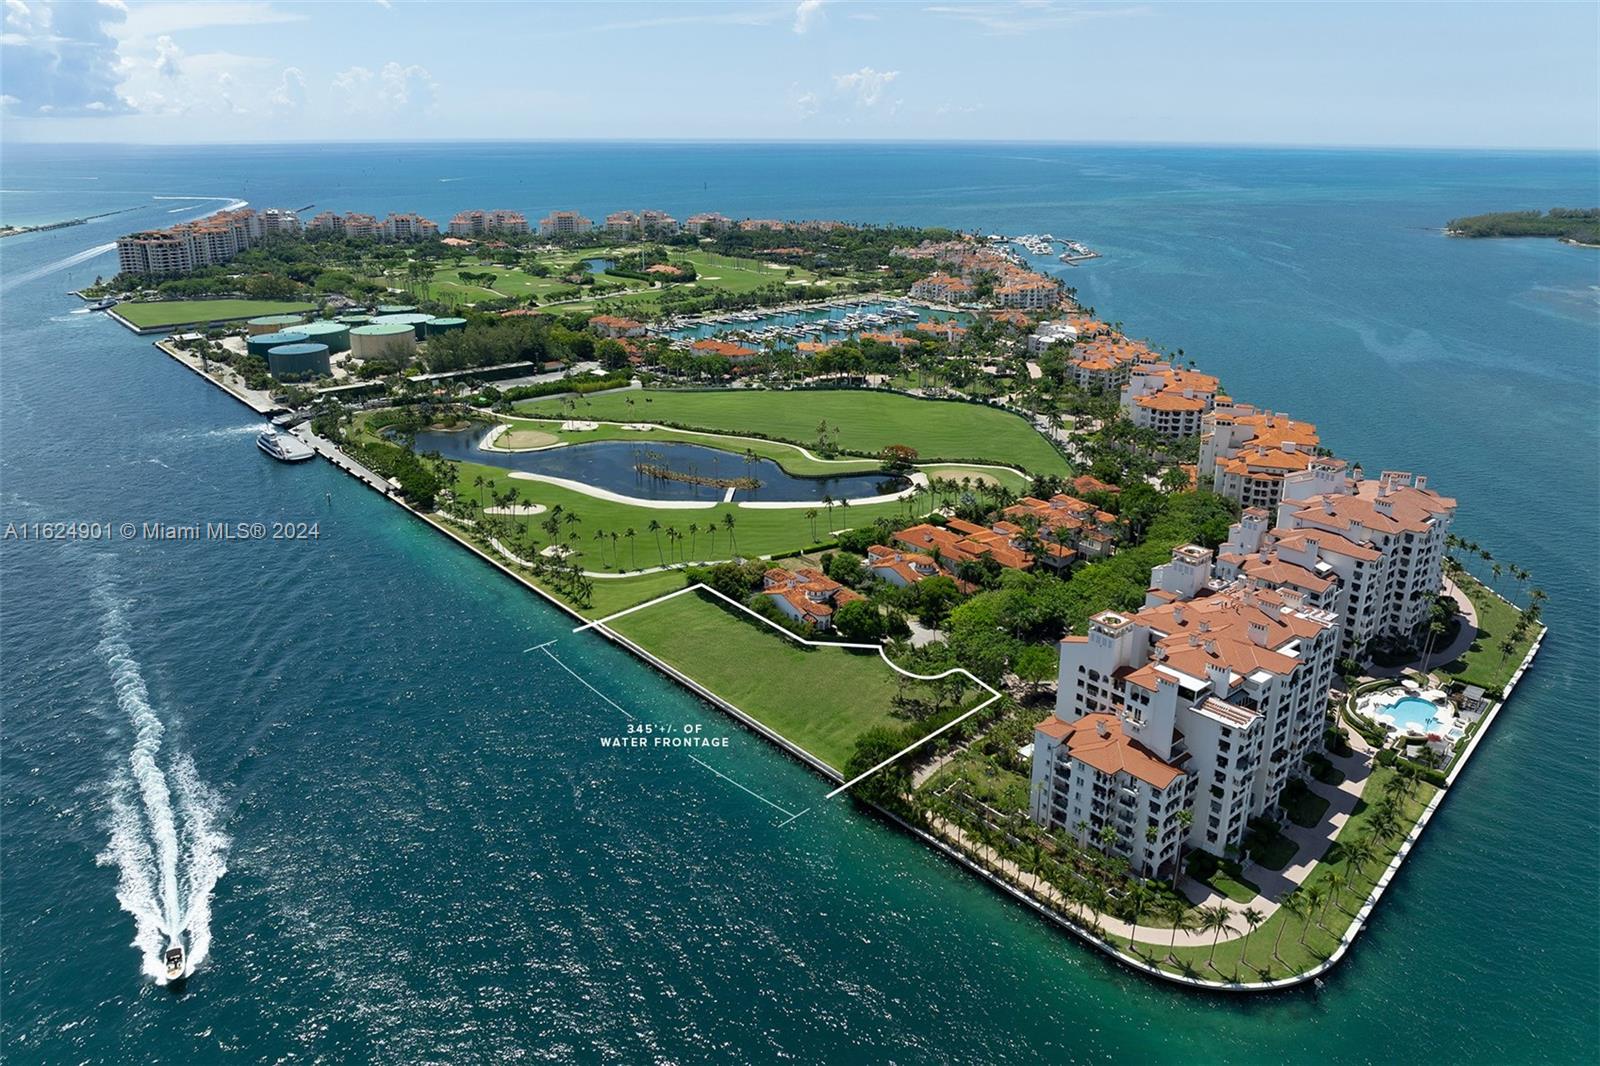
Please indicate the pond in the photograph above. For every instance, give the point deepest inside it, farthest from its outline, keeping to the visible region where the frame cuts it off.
(599, 266)
(615, 466)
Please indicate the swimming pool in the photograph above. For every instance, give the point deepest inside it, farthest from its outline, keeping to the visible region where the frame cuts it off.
(1417, 715)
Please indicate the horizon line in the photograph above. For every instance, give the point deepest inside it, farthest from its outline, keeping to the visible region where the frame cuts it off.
(858, 141)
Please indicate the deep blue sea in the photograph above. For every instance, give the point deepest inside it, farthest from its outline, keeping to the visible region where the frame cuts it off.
(416, 849)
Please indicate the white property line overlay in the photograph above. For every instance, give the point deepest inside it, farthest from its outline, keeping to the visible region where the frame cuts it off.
(994, 694)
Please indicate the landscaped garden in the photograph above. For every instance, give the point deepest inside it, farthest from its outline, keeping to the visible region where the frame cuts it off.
(1498, 649)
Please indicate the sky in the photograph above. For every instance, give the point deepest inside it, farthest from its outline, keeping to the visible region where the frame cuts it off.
(1522, 75)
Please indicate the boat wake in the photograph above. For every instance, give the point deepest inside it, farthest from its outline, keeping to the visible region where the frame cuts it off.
(59, 264)
(165, 844)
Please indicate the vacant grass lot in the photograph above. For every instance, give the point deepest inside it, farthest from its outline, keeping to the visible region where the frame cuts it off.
(820, 698)
(183, 312)
(859, 420)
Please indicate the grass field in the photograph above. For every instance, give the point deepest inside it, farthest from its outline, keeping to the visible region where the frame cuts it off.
(182, 312)
(757, 531)
(820, 698)
(1484, 663)
(859, 421)
(790, 458)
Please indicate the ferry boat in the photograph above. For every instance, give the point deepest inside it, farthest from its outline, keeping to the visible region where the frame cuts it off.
(174, 960)
(282, 447)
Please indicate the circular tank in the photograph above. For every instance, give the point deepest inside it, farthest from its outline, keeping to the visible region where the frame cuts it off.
(336, 335)
(444, 325)
(262, 343)
(354, 320)
(417, 322)
(383, 340)
(272, 323)
(298, 360)
(396, 309)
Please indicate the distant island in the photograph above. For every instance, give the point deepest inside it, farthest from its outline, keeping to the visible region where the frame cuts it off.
(1574, 225)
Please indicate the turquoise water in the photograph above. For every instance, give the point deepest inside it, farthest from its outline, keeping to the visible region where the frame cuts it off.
(428, 854)
(1414, 710)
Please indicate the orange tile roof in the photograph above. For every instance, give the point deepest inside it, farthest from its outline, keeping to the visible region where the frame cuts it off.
(1098, 740)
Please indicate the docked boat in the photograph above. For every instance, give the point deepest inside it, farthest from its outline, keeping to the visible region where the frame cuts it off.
(175, 961)
(283, 447)
(103, 305)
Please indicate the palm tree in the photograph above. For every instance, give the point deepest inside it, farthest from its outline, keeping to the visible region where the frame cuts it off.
(1175, 911)
(1253, 919)
(1315, 894)
(1292, 902)
(633, 550)
(1215, 920)
(694, 531)
(811, 515)
(655, 527)
(827, 501)
(1138, 898)
(600, 535)
(1336, 887)
(727, 523)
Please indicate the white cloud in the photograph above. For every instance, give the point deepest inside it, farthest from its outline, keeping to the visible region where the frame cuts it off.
(61, 58)
(290, 95)
(395, 89)
(807, 14)
(865, 86)
(168, 56)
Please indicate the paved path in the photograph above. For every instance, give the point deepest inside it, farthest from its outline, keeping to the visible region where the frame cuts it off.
(1313, 844)
(1466, 633)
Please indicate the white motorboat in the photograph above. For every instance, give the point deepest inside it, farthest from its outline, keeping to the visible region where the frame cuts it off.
(175, 961)
(283, 447)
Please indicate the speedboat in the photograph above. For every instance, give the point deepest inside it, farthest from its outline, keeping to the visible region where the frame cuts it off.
(175, 960)
(103, 305)
(283, 447)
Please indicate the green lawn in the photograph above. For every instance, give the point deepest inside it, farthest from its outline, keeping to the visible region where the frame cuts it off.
(1484, 664)
(183, 312)
(1304, 806)
(860, 421)
(1308, 940)
(1231, 882)
(820, 698)
(790, 458)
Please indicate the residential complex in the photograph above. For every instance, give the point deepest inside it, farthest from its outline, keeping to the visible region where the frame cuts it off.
(640, 224)
(1206, 700)
(1247, 453)
(481, 223)
(1079, 527)
(961, 264)
(563, 224)
(1170, 401)
(188, 245)
(395, 228)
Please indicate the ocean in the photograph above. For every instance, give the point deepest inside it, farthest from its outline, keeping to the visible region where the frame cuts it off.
(393, 832)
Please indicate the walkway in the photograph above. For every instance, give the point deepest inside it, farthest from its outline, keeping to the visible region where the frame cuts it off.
(1466, 633)
(1313, 844)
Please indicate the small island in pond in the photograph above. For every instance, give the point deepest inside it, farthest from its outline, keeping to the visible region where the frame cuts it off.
(1574, 225)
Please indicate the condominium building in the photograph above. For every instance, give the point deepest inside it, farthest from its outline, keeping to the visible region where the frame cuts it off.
(1380, 542)
(188, 245)
(357, 225)
(621, 223)
(1028, 291)
(1205, 700)
(1170, 401)
(706, 222)
(641, 223)
(478, 223)
(943, 288)
(1247, 453)
(1105, 363)
(275, 220)
(409, 228)
(563, 223)
(1056, 331)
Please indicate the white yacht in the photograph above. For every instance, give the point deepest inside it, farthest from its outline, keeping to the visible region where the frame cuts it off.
(283, 447)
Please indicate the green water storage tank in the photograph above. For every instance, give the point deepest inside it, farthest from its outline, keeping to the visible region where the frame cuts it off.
(396, 309)
(394, 341)
(417, 322)
(354, 320)
(262, 343)
(336, 335)
(272, 323)
(444, 325)
(298, 360)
